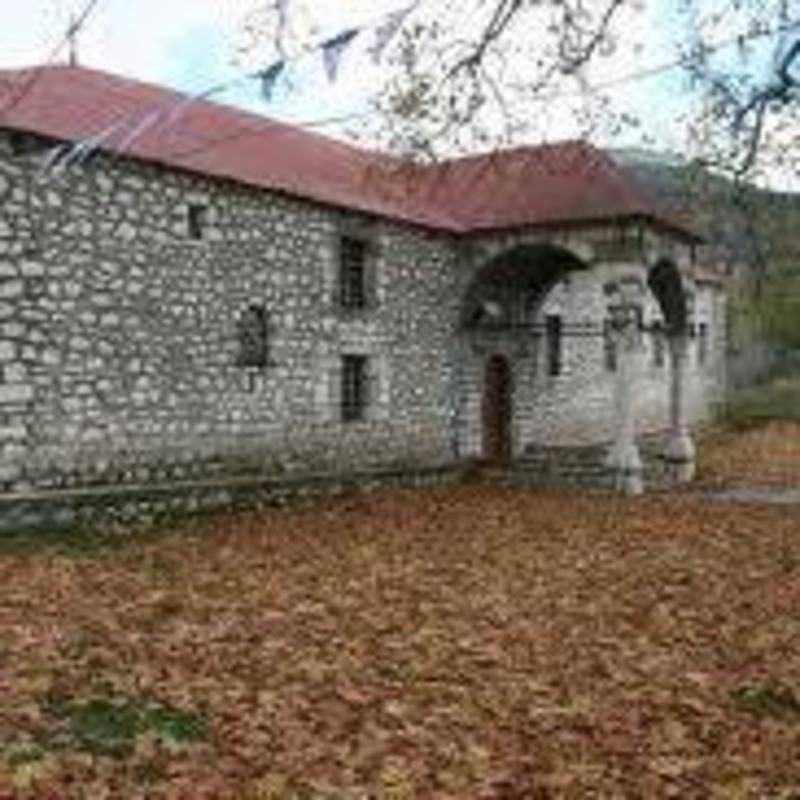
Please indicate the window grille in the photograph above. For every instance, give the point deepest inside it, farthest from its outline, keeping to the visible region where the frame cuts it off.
(554, 345)
(702, 343)
(609, 346)
(253, 337)
(354, 388)
(352, 273)
(197, 221)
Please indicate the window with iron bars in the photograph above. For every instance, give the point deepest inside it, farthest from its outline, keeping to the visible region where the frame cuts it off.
(354, 388)
(196, 221)
(702, 343)
(609, 346)
(554, 344)
(253, 334)
(352, 273)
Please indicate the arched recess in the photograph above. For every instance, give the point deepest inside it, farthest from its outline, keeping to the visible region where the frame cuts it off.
(499, 345)
(666, 284)
(514, 281)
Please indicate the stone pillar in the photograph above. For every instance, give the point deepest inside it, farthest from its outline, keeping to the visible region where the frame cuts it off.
(680, 450)
(623, 457)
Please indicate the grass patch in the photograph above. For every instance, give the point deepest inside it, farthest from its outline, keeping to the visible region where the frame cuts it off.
(766, 701)
(775, 402)
(758, 455)
(110, 726)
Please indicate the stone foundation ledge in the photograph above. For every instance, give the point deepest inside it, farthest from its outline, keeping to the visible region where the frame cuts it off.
(119, 508)
(584, 466)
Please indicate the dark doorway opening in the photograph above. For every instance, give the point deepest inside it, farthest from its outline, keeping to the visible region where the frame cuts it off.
(497, 410)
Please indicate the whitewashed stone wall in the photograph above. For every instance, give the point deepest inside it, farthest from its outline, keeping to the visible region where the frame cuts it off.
(118, 336)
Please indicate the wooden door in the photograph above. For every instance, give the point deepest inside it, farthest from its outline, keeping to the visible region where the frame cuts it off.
(497, 410)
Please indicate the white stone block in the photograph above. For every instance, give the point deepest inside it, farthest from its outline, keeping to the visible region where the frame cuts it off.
(32, 269)
(11, 289)
(16, 393)
(15, 373)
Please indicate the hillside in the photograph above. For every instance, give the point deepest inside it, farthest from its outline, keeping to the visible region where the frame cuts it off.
(742, 226)
(753, 237)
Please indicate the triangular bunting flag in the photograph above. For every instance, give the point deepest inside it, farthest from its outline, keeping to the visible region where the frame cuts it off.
(269, 77)
(387, 30)
(333, 49)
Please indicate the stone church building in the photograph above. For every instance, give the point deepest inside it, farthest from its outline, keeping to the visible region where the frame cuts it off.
(197, 289)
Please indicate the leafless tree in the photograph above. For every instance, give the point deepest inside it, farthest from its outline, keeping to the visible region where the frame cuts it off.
(460, 73)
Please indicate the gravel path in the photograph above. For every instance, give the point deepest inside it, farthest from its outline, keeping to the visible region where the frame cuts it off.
(772, 496)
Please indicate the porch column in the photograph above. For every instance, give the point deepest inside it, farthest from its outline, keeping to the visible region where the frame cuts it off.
(680, 450)
(623, 457)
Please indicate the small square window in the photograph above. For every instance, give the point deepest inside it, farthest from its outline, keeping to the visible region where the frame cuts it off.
(197, 220)
(354, 388)
(352, 272)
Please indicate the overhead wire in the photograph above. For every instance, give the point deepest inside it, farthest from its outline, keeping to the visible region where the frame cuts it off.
(168, 113)
(638, 75)
(256, 129)
(74, 28)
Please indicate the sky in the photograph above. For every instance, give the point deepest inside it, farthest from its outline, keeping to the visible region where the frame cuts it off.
(190, 45)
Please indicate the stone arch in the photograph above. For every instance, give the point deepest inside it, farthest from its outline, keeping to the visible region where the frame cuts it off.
(666, 283)
(524, 271)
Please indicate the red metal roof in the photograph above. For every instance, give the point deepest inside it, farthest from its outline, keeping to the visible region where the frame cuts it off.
(549, 184)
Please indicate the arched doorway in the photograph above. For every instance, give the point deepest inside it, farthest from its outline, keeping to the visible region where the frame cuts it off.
(497, 410)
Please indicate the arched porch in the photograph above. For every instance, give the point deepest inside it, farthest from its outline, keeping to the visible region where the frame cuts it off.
(501, 321)
(546, 314)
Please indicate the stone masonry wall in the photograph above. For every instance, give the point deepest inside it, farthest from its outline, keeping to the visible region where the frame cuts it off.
(576, 407)
(118, 332)
(119, 338)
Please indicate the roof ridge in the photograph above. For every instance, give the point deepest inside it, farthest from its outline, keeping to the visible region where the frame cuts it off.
(242, 113)
(75, 103)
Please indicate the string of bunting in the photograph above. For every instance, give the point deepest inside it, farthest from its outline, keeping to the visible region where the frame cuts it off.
(166, 116)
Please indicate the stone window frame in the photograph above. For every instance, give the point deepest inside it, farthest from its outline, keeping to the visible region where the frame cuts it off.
(253, 337)
(355, 387)
(365, 234)
(196, 221)
(610, 355)
(554, 337)
(702, 343)
(377, 385)
(352, 273)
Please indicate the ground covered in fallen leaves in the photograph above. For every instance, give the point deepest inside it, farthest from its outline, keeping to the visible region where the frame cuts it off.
(758, 455)
(467, 642)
